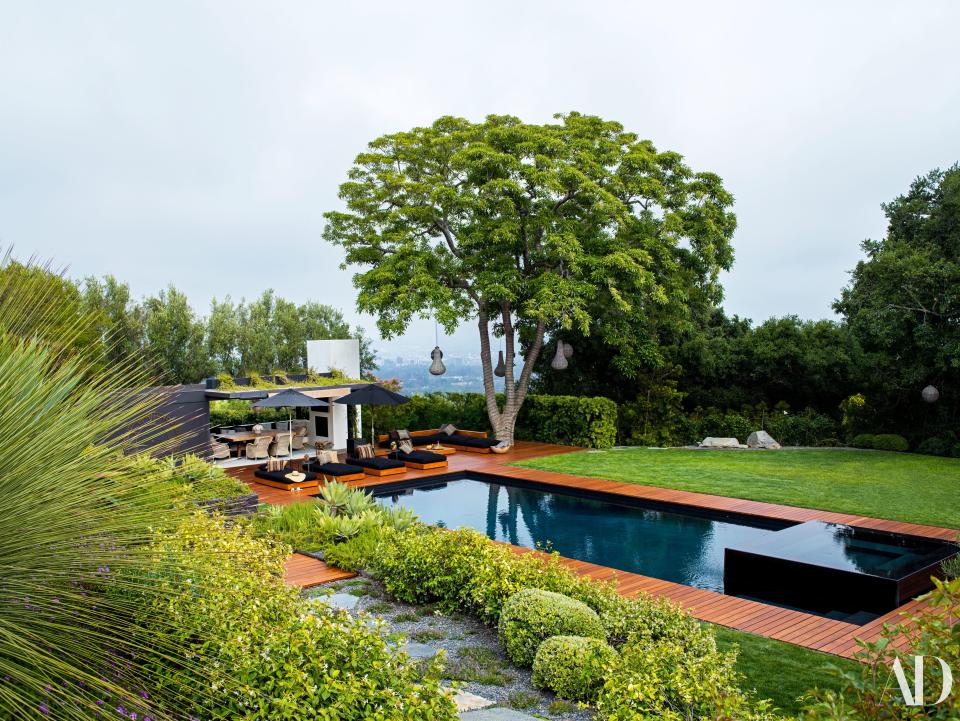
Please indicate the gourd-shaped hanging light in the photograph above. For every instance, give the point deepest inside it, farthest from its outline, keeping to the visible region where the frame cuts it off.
(559, 361)
(501, 370)
(567, 350)
(437, 368)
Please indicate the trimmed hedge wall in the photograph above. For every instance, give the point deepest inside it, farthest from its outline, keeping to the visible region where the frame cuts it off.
(569, 420)
(564, 420)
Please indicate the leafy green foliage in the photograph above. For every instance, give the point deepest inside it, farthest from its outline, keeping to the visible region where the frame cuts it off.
(463, 570)
(573, 667)
(890, 442)
(944, 445)
(285, 657)
(182, 346)
(863, 440)
(192, 478)
(568, 420)
(870, 690)
(663, 681)
(532, 615)
(536, 228)
(565, 420)
(76, 520)
(902, 306)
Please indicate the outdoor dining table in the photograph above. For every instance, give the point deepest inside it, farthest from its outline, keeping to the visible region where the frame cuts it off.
(241, 437)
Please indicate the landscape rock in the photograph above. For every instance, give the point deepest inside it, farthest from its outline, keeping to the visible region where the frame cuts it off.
(419, 650)
(761, 439)
(344, 601)
(711, 442)
(467, 701)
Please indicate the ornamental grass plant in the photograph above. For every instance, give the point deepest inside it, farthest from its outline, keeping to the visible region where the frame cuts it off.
(76, 519)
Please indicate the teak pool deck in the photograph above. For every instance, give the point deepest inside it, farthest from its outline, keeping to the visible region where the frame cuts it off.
(802, 629)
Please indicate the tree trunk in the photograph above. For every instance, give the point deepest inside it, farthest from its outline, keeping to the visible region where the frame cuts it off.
(504, 422)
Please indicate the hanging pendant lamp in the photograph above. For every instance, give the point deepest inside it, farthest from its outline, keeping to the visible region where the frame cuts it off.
(559, 361)
(437, 368)
(567, 349)
(501, 370)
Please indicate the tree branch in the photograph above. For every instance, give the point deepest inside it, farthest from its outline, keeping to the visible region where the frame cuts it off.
(444, 228)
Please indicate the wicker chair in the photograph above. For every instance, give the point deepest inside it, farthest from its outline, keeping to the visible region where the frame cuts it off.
(219, 451)
(299, 437)
(260, 448)
(281, 444)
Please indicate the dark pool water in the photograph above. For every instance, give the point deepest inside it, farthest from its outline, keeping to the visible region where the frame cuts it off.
(675, 547)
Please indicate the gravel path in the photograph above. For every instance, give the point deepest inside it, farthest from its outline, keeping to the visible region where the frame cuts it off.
(474, 659)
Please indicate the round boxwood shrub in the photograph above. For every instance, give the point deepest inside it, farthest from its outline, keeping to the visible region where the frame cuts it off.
(863, 440)
(572, 667)
(530, 616)
(890, 442)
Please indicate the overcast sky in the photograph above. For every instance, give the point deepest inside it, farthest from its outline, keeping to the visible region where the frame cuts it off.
(200, 143)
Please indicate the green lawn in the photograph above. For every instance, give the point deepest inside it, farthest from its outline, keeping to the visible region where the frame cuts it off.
(780, 671)
(897, 486)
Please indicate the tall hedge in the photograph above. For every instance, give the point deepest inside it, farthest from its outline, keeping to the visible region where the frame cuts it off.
(564, 420)
(569, 420)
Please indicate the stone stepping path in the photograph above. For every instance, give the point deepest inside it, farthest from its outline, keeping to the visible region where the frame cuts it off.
(419, 650)
(467, 701)
(344, 601)
(496, 714)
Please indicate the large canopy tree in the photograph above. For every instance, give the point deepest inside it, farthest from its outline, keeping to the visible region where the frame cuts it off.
(903, 303)
(529, 229)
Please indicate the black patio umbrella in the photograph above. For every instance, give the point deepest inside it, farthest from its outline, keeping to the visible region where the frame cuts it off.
(290, 399)
(372, 395)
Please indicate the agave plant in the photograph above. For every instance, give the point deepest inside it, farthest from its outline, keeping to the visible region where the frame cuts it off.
(399, 518)
(358, 502)
(334, 497)
(76, 518)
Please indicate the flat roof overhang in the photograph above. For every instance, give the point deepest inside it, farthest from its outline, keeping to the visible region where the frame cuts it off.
(336, 391)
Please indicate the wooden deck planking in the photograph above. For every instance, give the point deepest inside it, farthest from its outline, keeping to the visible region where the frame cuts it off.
(797, 627)
(306, 572)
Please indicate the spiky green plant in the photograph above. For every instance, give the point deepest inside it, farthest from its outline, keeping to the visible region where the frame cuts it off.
(75, 520)
(334, 496)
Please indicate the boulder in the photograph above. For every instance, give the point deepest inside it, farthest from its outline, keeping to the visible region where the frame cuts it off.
(761, 439)
(711, 442)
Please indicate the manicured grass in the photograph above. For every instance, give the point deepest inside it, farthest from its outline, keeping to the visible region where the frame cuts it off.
(895, 486)
(780, 671)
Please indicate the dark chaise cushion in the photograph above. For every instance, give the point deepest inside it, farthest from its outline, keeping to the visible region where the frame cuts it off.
(378, 463)
(419, 457)
(281, 476)
(469, 441)
(334, 469)
(428, 439)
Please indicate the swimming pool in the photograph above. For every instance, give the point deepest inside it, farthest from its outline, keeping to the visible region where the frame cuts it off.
(680, 547)
(841, 572)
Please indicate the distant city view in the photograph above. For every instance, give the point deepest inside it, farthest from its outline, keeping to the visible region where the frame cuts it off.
(464, 374)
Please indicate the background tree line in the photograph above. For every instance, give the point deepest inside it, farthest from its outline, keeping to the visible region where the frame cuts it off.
(164, 334)
(899, 331)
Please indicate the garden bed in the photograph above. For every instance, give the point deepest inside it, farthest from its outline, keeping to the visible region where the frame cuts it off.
(475, 661)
